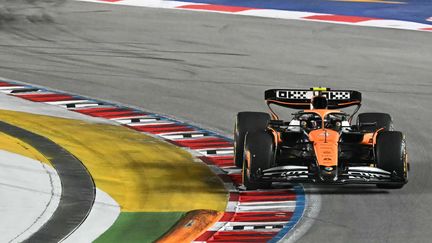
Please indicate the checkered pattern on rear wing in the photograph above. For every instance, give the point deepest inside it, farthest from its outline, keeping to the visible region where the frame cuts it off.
(301, 99)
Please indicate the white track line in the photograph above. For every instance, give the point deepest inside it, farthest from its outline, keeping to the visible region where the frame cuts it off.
(102, 215)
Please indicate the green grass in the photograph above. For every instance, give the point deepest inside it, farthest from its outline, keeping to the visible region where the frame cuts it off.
(140, 227)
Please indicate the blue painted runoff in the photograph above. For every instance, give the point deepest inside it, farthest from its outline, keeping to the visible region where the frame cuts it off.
(407, 10)
(297, 215)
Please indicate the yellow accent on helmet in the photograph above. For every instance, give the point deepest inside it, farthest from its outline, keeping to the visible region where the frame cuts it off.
(320, 89)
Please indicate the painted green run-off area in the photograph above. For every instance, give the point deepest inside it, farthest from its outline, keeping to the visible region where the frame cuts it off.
(140, 227)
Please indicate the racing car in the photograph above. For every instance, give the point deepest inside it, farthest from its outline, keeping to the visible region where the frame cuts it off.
(320, 144)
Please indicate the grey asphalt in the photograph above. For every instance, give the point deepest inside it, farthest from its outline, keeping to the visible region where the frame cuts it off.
(205, 67)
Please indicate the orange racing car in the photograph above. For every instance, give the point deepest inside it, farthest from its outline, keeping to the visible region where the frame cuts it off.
(320, 144)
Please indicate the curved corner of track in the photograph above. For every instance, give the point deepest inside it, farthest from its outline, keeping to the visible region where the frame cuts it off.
(262, 215)
(77, 188)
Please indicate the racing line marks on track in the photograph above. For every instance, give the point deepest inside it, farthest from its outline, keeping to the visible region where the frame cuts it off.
(261, 216)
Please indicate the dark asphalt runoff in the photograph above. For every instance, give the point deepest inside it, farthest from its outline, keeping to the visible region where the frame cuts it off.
(206, 67)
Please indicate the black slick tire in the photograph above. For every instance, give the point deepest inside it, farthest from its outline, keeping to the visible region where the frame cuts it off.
(372, 121)
(391, 156)
(258, 156)
(247, 122)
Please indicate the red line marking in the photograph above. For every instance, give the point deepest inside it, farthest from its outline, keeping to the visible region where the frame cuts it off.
(267, 196)
(241, 236)
(205, 236)
(427, 29)
(96, 109)
(212, 7)
(121, 114)
(221, 161)
(233, 197)
(339, 18)
(114, 114)
(263, 193)
(202, 143)
(256, 216)
(236, 178)
(6, 84)
(162, 128)
(227, 216)
(109, 112)
(46, 97)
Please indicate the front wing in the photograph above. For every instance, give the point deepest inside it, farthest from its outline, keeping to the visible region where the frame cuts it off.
(353, 175)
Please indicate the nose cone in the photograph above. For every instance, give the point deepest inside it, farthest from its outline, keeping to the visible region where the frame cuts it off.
(325, 143)
(328, 173)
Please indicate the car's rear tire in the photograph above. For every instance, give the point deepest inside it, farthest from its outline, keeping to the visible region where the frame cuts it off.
(390, 154)
(247, 121)
(371, 121)
(258, 156)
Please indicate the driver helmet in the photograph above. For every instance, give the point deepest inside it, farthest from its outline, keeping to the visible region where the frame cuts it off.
(319, 102)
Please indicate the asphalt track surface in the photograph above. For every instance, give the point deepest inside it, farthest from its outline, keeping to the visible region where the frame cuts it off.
(205, 67)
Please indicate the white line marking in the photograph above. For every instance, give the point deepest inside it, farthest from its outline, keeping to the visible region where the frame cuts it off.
(103, 214)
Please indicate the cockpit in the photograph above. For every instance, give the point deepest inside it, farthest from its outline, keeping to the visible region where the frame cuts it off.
(312, 120)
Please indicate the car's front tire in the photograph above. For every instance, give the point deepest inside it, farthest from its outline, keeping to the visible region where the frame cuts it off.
(247, 121)
(390, 151)
(372, 121)
(258, 156)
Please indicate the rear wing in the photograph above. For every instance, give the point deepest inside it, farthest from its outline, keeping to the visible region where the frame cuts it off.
(301, 98)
